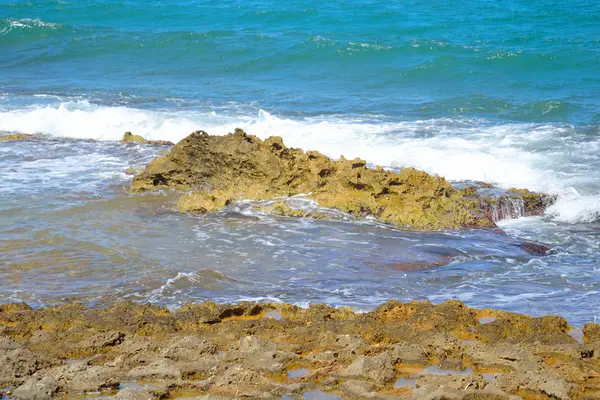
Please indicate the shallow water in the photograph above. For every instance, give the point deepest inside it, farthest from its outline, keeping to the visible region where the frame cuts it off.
(505, 94)
(80, 237)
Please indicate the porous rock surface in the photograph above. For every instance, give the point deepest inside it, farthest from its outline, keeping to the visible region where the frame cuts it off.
(398, 351)
(218, 170)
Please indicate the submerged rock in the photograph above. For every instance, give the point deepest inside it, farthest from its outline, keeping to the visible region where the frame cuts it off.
(217, 170)
(129, 137)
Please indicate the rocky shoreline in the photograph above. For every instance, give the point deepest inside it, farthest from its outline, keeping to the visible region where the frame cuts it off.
(263, 351)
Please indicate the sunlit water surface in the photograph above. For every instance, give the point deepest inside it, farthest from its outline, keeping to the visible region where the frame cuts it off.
(70, 232)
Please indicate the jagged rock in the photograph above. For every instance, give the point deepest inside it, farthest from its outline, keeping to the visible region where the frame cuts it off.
(217, 170)
(129, 137)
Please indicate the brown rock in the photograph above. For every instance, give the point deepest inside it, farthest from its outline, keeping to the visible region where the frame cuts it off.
(129, 137)
(378, 368)
(38, 388)
(16, 137)
(591, 333)
(234, 351)
(220, 169)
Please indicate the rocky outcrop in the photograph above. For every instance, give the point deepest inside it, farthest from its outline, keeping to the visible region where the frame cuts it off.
(218, 170)
(250, 350)
(16, 137)
(129, 137)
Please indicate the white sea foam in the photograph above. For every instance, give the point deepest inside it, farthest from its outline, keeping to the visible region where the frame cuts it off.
(26, 23)
(542, 157)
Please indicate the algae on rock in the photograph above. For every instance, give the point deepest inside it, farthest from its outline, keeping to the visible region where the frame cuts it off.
(217, 170)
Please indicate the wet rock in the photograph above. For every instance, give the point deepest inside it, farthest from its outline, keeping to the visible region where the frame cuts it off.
(534, 203)
(16, 137)
(218, 170)
(535, 249)
(129, 137)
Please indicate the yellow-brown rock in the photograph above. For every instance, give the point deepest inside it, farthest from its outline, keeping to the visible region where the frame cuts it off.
(414, 350)
(217, 170)
(129, 137)
(16, 137)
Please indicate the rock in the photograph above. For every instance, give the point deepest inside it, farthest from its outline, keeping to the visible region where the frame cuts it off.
(163, 369)
(536, 384)
(130, 171)
(129, 137)
(378, 368)
(136, 394)
(259, 355)
(359, 355)
(218, 170)
(189, 348)
(102, 341)
(239, 381)
(81, 377)
(514, 204)
(16, 137)
(18, 364)
(591, 332)
(352, 389)
(535, 203)
(535, 249)
(37, 388)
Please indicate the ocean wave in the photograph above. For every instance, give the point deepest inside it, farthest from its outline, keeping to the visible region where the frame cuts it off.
(543, 157)
(25, 23)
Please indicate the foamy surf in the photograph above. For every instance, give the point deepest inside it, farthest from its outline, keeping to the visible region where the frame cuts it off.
(507, 155)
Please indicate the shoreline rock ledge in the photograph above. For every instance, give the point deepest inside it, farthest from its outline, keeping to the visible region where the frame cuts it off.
(215, 171)
(397, 351)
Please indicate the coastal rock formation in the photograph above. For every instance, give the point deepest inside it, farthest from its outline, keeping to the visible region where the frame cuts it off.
(218, 170)
(250, 350)
(129, 137)
(16, 137)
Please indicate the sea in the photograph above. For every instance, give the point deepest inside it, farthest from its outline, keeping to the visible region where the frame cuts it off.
(505, 92)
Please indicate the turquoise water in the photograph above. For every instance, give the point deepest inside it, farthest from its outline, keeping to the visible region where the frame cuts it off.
(534, 61)
(503, 92)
